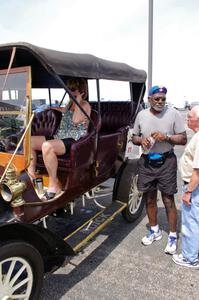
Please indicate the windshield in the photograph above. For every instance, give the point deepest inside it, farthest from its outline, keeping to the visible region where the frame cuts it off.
(14, 103)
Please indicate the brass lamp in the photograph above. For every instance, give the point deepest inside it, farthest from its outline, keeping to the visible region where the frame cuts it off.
(12, 188)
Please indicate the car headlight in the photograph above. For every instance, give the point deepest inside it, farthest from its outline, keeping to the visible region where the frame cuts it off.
(11, 192)
(12, 188)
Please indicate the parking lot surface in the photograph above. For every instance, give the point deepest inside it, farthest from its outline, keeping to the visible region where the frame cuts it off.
(115, 265)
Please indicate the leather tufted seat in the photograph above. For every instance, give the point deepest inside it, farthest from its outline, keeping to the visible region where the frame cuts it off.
(46, 122)
(115, 115)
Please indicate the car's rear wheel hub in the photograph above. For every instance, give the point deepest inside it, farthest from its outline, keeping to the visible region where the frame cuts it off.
(135, 197)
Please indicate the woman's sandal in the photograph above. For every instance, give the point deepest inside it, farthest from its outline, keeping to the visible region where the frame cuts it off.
(48, 196)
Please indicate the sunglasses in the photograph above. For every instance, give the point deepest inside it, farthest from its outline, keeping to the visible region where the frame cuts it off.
(73, 89)
(159, 98)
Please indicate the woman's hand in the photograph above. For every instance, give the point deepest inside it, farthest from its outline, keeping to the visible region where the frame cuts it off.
(78, 96)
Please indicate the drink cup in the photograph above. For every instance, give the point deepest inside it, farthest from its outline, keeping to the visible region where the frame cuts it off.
(152, 142)
(39, 185)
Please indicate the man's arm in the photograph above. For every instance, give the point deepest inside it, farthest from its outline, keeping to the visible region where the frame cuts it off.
(194, 181)
(136, 139)
(175, 139)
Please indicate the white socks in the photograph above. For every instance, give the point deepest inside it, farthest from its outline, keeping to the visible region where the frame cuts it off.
(174, 234)
(155, 228)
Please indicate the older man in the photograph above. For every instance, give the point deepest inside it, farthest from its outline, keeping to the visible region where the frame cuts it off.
(157, 129)
(189, 168)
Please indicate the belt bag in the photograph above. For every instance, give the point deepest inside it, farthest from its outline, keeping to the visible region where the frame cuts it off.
(156, 159)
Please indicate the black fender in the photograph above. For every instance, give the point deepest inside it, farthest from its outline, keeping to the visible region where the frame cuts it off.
(45, 241)
(117, 179)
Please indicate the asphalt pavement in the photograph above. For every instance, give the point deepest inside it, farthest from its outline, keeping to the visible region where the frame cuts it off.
(115, 265)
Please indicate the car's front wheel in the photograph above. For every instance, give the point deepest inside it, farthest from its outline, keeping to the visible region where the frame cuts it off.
(126, 190)
(21, 271)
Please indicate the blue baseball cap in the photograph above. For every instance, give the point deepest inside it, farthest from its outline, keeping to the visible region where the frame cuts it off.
(157, 89)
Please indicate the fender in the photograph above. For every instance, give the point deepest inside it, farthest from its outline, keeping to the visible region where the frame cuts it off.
(45, 241)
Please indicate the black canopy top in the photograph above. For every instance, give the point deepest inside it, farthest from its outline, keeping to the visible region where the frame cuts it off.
(66, 64)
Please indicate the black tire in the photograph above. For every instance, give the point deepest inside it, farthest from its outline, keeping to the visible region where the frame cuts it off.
(15, 255)
(125, 190)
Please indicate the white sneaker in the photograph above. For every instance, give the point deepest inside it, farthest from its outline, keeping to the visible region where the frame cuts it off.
(182, 261)
(151, 237)
(171, 246)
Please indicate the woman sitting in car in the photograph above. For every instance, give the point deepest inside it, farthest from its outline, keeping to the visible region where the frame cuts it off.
(74, 125)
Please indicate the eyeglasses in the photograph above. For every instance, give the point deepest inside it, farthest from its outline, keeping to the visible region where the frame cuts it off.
(159, 98)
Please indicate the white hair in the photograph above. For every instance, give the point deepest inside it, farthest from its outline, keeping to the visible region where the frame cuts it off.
(195, 109)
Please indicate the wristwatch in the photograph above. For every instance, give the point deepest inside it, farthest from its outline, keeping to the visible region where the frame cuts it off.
(168, 137)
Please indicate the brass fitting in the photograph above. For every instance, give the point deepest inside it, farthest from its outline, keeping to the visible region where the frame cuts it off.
(12, 188)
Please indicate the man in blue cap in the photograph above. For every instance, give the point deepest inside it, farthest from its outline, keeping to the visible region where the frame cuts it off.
(157, 129)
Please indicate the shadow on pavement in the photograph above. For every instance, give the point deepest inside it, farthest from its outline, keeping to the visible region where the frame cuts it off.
(116, 232)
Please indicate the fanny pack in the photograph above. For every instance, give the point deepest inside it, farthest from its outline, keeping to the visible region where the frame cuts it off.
(155, 159)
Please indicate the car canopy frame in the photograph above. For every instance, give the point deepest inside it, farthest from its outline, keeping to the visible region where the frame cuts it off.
(47, 64)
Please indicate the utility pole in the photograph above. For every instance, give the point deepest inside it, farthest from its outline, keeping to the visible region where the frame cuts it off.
(150, 44)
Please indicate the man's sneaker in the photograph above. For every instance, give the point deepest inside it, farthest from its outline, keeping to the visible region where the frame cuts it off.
(171, 246)
(182, 261)
(151, 237)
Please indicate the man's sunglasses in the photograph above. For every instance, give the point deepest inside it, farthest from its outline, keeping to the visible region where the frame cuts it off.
(159, 98)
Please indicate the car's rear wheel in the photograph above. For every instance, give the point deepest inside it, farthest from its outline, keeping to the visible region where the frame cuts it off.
(126, 190)
(21, 271)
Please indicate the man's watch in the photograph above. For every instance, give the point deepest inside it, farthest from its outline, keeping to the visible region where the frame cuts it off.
(168, 137)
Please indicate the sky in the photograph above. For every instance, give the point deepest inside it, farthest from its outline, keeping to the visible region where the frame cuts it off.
(115, 30)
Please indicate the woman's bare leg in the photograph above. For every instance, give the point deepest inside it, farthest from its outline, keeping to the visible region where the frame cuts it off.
(36, 145)
(50, 150)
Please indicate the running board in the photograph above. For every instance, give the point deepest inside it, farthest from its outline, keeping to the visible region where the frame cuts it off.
(90, 228)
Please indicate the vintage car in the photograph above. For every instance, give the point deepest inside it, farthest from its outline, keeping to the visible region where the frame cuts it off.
(28, 243)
